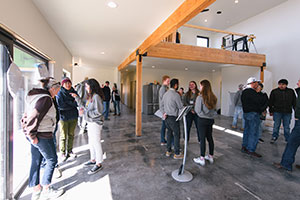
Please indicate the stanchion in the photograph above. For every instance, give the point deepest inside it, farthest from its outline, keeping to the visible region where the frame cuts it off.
(180, 174)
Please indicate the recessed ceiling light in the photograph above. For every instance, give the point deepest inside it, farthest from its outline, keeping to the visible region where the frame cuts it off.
(219, 12)
(186, 69)
(153, 66)
(213, 70)
(236, 1)
(205, 20)
(102, 53)
(126, 70)
(112, 4)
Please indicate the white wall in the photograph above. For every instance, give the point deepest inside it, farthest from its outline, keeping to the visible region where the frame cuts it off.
(25, 19)
(189, 35)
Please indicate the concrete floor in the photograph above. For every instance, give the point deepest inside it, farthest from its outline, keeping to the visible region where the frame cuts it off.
(136, 168)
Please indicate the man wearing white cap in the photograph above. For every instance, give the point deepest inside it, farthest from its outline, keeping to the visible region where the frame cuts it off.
(252, 110)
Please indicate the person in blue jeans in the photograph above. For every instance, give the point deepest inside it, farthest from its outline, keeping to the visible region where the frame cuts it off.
(238, 109)
(162, 90)
(106, 101)
(38, 125)
(252, 109)
(288, 157)
(282, 101)
(115, 98)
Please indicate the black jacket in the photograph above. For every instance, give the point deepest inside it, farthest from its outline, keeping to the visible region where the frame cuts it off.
(297, 108)
(106, 91)
(282, 101)
(263, 101)
(67, 105)
(251, 101)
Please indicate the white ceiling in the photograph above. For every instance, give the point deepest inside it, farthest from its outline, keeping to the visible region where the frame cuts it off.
(89, 27)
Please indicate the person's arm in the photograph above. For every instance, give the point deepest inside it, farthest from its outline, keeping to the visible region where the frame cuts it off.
(271, 103)
(236, 98)
(179, 102)
(294, 100)
(198, 107)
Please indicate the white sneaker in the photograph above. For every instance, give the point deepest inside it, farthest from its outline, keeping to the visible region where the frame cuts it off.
(51, 193)
(209, 158)
(199, 160)
(57, 173)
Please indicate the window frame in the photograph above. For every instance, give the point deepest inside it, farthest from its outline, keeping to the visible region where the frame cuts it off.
(203, 37)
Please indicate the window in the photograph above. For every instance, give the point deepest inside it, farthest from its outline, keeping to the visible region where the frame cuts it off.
(202, 41)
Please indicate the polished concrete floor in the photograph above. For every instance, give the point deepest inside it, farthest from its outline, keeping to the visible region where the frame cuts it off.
(136, 168)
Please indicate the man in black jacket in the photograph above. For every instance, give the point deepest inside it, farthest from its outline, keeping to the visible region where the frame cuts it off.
(288, 157)
(281, 102)
(252, 109)
(106, 101)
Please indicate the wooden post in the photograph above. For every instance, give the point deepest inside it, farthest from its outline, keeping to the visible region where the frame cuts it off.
(262, 69)
(138, 105)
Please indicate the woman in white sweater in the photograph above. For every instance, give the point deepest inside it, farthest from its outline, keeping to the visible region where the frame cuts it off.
(92, 113)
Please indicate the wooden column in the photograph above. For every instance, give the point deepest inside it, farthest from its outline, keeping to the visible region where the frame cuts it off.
(138, 105)
(262, 73)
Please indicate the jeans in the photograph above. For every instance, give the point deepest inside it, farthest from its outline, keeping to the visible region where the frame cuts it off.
(43, 164)
(286, 118)
(205, 132)
(117, 107)
(94, 133)
(237, 111)
(67, 132)
(190, 117)
(43, 149)
(106, 109)
(163, 132)
(251, 131)
(173, 132)
(288, 157)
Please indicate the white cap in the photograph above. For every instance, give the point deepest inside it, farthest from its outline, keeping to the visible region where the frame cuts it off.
(252, 80)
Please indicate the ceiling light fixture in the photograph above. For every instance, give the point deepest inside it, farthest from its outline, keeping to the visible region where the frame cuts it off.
(219, 12)
(213, 70)
(205, 20)
(112, 4)
(102, 53)
(153, 66)
(236, 1)
(186, 69)
(126, 70)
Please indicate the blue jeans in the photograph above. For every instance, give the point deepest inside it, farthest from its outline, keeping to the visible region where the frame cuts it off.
(105, 109)
(237, 111)
(286, 118)
(43, 149)
(288, 157)
(54, 141)
(163, 132)
(190, 117)
(117, 107)
(251, 131)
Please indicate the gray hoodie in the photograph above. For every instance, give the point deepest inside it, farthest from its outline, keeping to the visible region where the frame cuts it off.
(201, 109)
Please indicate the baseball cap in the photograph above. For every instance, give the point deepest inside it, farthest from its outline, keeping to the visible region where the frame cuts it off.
(252, 80)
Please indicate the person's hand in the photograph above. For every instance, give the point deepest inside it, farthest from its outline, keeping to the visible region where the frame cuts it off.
(73, 95)
(81, 111)
(193, 111)
(35, 140)
(165, 116)
(271, 114)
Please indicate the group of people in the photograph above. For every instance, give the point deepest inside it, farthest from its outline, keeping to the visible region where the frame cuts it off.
(60, 103)
(203, 102)
(281, 103)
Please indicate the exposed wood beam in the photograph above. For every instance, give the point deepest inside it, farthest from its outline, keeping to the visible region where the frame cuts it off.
(186, 11)
(214, 30)
(127, 61)
(262, 74)
(138, 105)
(195, 53)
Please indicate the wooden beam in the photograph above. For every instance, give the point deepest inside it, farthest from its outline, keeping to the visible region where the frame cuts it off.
(195, 53)
(127, 61)
(262, 74)
(138, 105)
(186, 11)
(213, 30)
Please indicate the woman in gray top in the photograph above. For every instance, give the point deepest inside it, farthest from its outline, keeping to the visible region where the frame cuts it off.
(205, 108)
(93, 116)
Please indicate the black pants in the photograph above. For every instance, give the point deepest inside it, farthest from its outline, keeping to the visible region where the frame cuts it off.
(205, 132)
(190, 117)
(173, 131)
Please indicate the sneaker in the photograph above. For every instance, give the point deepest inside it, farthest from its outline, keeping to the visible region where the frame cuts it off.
(242, 129)
(279, 166)
(57, 173)
(36, 195)
(178, 156)
(51, 193)
(72, 154)
(209, 158)
(234, 127)
(244, 150)
(168, 153)
(89, 163)
(255, 154)
(273, 140)
(199, 160)
(63, 157)
(261, 140)
(163, 143)
(95, 169)
(297, 166)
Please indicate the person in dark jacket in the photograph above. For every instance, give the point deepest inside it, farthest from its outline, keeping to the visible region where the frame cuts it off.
(189, 100)
(115, 98)
(282, 101)
(68, 112)
(106, 101)
(288, 157)
(252, 110)
(238, 108)
(38, 125)
(264, 105)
